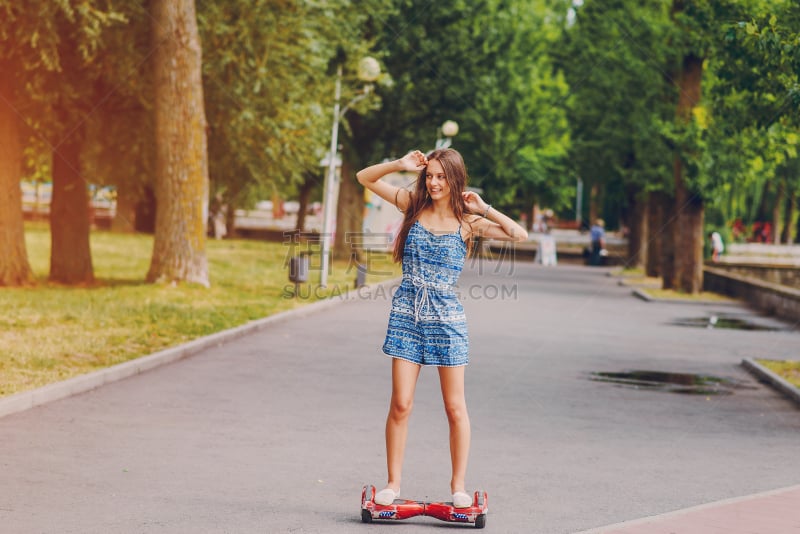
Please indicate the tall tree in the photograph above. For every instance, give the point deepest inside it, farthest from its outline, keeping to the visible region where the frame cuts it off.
(689, 16)
(68, 100)
(751, 85)
(70, 252)
(614, 55)
(48, 47)
(14, 267)
(21, 52)
(181, 160)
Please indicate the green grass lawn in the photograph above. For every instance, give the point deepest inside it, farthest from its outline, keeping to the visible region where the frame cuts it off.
(788, 370)
(636, 272)
(678, 295)
(651, 286)
(51, 332)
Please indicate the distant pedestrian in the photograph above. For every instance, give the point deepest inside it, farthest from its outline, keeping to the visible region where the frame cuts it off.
(217, 213)
(427, 325)
(717, 247)
(597, 234)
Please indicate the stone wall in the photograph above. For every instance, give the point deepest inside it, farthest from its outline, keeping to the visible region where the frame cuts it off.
(774, 299)
(785, 275)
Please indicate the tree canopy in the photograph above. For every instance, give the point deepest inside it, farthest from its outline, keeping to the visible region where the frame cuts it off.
(693, 100)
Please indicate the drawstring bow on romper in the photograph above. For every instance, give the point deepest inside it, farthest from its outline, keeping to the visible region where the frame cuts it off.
(421, 295)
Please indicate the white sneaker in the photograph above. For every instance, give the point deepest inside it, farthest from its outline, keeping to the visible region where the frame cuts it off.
(461, 500)
(386, 496)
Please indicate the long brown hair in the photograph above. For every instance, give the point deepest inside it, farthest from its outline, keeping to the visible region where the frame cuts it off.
(455, 172)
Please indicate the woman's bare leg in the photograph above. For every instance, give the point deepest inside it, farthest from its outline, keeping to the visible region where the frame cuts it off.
(455, 405)
(404, 383)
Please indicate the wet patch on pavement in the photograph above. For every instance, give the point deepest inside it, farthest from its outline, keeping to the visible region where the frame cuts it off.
(729, 321)
(685, 383)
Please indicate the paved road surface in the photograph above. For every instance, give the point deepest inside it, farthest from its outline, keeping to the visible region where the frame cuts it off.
(278, 431)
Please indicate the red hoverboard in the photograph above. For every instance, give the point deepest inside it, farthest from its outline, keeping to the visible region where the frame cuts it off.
(403, 509)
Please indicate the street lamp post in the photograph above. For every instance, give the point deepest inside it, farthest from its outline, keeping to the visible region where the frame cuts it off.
(368, 71)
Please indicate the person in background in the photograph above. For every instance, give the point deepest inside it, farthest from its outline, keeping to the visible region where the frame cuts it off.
(717, 247)
(597, 234)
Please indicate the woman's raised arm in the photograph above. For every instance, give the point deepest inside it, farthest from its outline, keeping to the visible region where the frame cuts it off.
(371, 177)
(491, 223)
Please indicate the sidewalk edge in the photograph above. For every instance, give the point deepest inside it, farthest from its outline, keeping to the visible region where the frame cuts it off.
(683, 511)
(645, 296)
(26, 400)
(772, 379)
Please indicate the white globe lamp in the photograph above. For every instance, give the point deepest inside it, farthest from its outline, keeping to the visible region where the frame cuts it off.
(450, 128)
(369, 69)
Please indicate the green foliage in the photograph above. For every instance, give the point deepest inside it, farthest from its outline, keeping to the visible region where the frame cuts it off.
(32, 31)
(754, 102)
(485, 65)
(56, 46)
(540, 99)
(621, 107)
(623, 62)
(123, 91)
(70, 70)
(269, 87)
(518, 123)
(770, 41)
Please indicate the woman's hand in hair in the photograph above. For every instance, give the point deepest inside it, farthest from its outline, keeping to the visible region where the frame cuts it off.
(475, 204)
(491, 223)
(413, 161)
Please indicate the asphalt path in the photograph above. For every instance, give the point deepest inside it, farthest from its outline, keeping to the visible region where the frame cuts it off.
(278, 431)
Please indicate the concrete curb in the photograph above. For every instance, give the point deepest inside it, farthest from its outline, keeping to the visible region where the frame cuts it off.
(683, 512)
(765, 375)
(623, 275)
(647, 298)
(26, 400)
(637, 285)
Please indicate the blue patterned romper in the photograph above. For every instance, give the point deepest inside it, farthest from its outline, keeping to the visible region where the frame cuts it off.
(427, 324)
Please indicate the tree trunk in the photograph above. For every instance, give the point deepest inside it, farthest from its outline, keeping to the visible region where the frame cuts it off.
(693, 275)
(655, 233)
(305, 195)
(637, 236)
(14, 267)
(688, 238)
(349, 214)
(594, 202)
(70, 252)
(797, 230)
(762, 209)
(146, 206)
(528, 215)
(125, 217)
(780, 193)
(181, 160)
(230, 216)
(788, 213)
(668, 230)
(688, 235)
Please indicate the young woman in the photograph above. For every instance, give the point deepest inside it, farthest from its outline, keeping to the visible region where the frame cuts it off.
(427, 325)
